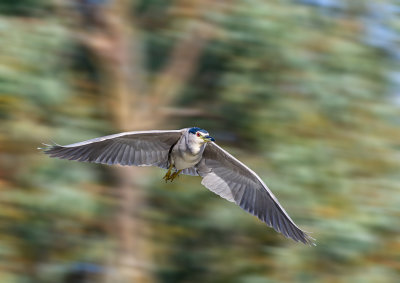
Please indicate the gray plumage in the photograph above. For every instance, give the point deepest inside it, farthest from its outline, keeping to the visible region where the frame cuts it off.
(190, 151)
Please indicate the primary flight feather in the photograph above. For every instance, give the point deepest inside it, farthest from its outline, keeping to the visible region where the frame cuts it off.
(190, 151)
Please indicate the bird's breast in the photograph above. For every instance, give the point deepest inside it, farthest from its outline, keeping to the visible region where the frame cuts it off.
(183, 157)
(185, 160)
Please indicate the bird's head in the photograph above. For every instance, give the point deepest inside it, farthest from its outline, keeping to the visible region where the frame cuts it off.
(199, 135)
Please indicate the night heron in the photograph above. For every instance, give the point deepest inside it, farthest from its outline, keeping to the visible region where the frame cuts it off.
(190, 151)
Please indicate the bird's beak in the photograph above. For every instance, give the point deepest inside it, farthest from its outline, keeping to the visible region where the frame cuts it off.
(208, 138)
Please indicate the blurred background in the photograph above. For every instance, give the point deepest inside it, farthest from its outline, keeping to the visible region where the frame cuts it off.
(306, 92)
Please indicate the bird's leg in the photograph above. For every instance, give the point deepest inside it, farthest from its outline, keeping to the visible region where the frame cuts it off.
(168, 174)
(174, 175)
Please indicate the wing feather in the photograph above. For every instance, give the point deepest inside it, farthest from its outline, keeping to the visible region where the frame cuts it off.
(143, 148)
(132, 154)
(231, 179)
(99, 156)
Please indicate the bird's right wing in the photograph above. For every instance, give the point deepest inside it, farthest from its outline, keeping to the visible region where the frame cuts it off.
(226, 176)
(141, 148)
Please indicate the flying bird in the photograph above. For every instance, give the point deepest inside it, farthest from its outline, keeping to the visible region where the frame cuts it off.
(189, 151)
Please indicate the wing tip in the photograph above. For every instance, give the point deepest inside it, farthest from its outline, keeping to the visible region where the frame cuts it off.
(303, 237)
(309, 241)
(50, 148)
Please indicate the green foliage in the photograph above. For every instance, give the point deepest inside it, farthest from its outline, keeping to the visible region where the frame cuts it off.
(299, 92)
(25, 7)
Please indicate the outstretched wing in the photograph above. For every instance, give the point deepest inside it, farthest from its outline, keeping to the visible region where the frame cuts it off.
(226, 176)
(142, 148)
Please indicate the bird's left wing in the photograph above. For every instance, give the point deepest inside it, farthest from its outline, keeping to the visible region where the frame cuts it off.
(141, 148)
(226, 176)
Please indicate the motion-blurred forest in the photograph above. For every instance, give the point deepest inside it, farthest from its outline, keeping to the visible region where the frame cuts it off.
(306, 92)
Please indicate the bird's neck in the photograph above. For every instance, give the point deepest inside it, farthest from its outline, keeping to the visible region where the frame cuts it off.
(196, 148)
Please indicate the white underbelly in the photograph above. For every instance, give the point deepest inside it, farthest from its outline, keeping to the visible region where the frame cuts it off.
(185, 161)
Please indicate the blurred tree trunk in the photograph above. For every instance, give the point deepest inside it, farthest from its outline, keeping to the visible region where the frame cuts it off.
(135, 105)
(109, 39)
(119, 62)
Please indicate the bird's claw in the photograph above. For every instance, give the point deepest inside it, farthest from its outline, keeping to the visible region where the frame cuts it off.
(167, 176)
(171, 177)
(174, 175)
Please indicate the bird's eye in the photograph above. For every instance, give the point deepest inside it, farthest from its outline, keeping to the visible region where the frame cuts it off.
(198, 134)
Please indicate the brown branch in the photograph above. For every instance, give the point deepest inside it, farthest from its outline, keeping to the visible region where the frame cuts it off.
(183, 60)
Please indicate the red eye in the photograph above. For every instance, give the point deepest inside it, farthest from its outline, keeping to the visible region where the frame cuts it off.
(198, 134)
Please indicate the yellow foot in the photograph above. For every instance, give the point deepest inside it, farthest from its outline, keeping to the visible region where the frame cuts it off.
(168, 174)
(174, 175)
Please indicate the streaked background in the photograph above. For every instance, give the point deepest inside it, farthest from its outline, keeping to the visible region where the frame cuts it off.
(306, 92)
